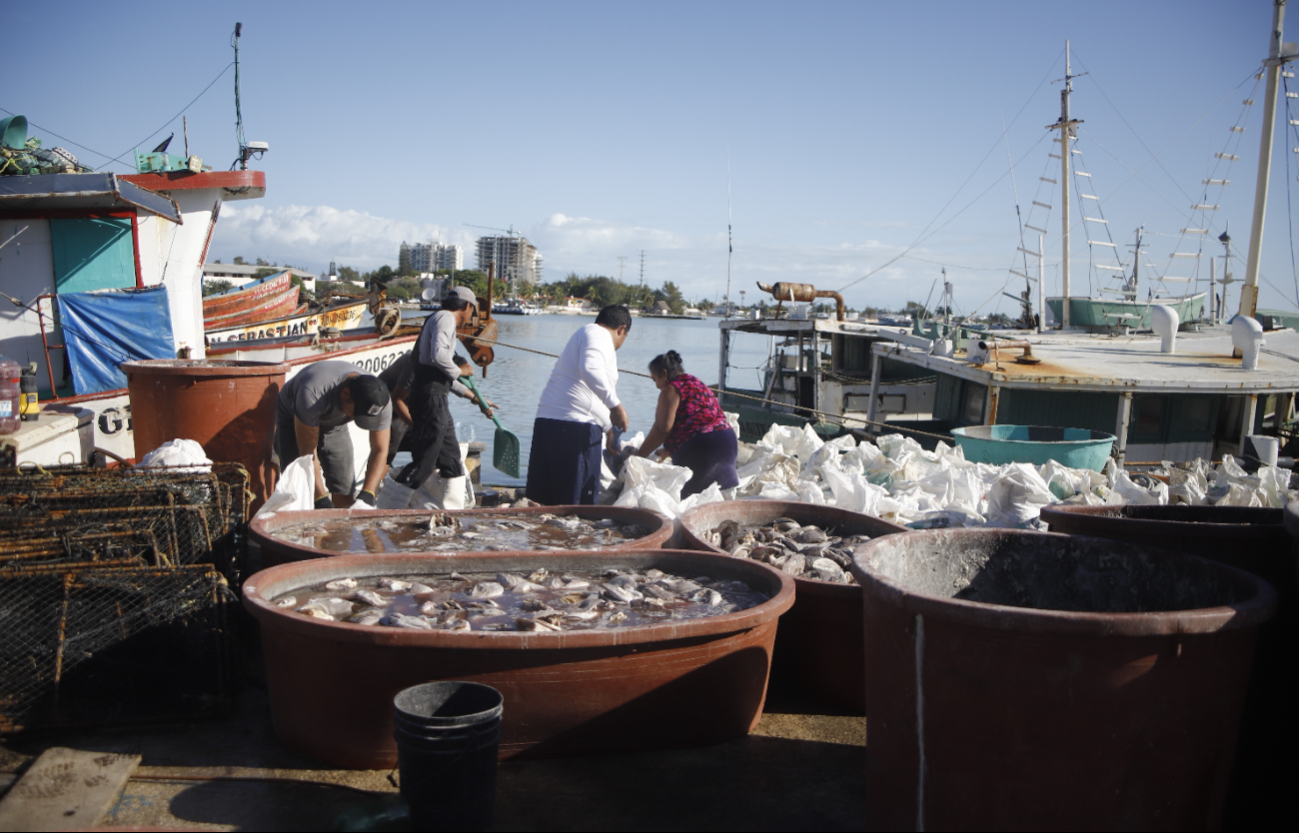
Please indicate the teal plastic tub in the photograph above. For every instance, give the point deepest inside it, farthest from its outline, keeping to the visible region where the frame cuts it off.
(1077, 448)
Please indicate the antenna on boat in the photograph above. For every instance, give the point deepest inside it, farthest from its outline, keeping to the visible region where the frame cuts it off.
(730, 244)
(1068, 128)
(1279, 53)
(239, 116)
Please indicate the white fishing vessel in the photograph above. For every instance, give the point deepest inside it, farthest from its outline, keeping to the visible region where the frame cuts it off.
(1177, 393)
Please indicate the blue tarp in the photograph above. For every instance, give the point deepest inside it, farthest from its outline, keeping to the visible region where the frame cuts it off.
(105, 328)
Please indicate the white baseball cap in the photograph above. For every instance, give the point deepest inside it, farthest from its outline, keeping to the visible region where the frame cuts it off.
(465, 294)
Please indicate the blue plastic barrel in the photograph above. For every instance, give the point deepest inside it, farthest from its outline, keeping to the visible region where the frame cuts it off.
(1077, 448)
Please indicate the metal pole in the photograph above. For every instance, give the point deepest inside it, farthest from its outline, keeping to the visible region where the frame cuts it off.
(1041, 284)
(872, 408)
(1064, 187)
(722, 362)
(1212, 293)
(1272, 68)
(1247, 424)
(990, 406)
(1121, 427)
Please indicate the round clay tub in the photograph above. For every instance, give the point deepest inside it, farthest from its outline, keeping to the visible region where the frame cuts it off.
(275, 551)
(820, 640)
(599, 691)
(228, 407)
(1253, 539)
(1033, 681)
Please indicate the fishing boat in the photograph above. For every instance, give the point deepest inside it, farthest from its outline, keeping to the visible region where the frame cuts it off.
(248, 298)
(101, 268)
(515, 306)
(303, 322)
(1176, 394)
(820, 371)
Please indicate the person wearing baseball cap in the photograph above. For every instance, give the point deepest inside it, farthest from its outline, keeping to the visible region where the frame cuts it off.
(311, 417)
(435, 449)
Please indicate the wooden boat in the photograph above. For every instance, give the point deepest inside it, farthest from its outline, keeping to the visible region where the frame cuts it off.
(246, 297)
(301, 323)
(274, 306)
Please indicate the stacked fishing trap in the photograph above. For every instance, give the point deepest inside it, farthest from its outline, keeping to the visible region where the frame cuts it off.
(117, 593)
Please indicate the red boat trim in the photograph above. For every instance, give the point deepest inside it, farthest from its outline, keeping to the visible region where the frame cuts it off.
(187, 181)
(207, 243)
(135, 246)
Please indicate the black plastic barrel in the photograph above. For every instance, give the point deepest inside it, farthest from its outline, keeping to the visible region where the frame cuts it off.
(447, 737)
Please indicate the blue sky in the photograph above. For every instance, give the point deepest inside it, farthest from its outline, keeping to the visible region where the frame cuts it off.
(605, 129)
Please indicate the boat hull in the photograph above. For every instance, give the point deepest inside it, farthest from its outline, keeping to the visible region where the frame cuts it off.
(246, 297)
(348, 317)
(1104, 314)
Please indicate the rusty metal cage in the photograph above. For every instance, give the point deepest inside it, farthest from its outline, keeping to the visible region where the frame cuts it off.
(88, 645)
(114, 593)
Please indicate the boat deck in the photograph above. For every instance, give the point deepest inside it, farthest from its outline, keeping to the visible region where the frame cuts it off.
(1202, 363)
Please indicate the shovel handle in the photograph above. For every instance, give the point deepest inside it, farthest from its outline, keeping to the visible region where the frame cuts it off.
(482, 403)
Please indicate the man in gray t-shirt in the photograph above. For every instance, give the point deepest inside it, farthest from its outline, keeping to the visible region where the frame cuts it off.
(312, 412)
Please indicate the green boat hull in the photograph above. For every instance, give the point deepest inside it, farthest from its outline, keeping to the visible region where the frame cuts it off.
(1103, 314)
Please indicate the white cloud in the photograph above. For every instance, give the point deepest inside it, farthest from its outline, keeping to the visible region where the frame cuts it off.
(312, 235)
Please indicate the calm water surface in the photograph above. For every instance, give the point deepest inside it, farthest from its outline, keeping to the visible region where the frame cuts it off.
(515, 380)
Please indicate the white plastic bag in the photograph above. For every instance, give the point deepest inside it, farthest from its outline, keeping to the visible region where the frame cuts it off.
(393, 495)
(431, 493)
(296, 489)
(182, 452)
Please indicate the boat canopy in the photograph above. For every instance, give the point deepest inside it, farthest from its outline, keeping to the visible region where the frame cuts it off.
(94, 191)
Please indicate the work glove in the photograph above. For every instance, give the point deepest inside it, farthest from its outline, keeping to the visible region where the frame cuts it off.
(365, 499)
(324, 502)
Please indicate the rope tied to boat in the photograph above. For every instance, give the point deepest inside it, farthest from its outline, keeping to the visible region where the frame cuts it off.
(840, 417)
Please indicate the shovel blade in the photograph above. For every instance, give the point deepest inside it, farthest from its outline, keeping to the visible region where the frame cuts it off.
(505, 452)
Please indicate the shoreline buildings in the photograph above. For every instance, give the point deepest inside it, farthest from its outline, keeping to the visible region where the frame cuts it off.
(431, 257)
(517, 260)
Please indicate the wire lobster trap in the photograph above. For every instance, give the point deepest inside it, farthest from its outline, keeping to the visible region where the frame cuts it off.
(177, 516)
(94, 645)
(115, 593)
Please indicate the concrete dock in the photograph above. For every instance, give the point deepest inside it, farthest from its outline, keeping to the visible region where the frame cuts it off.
(803, 768)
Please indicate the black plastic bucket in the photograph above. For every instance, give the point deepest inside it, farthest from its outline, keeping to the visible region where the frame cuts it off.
(447, 737)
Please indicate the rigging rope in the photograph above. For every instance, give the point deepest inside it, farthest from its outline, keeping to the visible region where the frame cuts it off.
(844, 417)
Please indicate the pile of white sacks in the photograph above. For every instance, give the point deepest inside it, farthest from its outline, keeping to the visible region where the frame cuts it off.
(897, 480)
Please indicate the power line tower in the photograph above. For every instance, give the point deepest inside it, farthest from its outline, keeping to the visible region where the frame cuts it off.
(642, 267)
(622, 263)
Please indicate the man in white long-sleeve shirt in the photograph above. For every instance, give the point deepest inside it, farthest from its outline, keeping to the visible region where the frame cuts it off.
(579, 404)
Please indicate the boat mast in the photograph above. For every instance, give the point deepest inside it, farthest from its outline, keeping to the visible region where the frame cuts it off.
(1276, 57)
(1068, 129)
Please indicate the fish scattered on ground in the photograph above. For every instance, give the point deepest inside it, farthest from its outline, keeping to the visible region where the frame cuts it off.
(802, 551)
(537, 602)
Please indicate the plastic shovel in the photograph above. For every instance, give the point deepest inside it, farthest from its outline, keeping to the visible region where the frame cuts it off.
(505, 445)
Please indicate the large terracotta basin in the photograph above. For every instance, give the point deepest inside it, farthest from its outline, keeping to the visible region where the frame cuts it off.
(1034, 681)
(820, 639)
(275, 551)
(1253, 539)
(686, 683)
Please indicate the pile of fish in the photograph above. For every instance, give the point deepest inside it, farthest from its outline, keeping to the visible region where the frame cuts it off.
(797, 550)
(458, 533)
(539, 601)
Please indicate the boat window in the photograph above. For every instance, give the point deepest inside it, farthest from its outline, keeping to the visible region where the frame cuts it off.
(1147, 419)
(975, 398)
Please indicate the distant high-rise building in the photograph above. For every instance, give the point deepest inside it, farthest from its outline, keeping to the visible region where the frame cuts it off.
(517, 260)
(448, 258)
(431, 257)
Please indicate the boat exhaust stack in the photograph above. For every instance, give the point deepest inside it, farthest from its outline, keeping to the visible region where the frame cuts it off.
(1247, 338)
(802, 293)
(1164, 321)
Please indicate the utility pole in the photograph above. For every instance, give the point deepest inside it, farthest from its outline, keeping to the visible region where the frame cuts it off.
(1272, 69)
(1068, 129)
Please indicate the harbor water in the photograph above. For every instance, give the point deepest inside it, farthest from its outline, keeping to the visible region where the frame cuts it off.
(515, 380)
